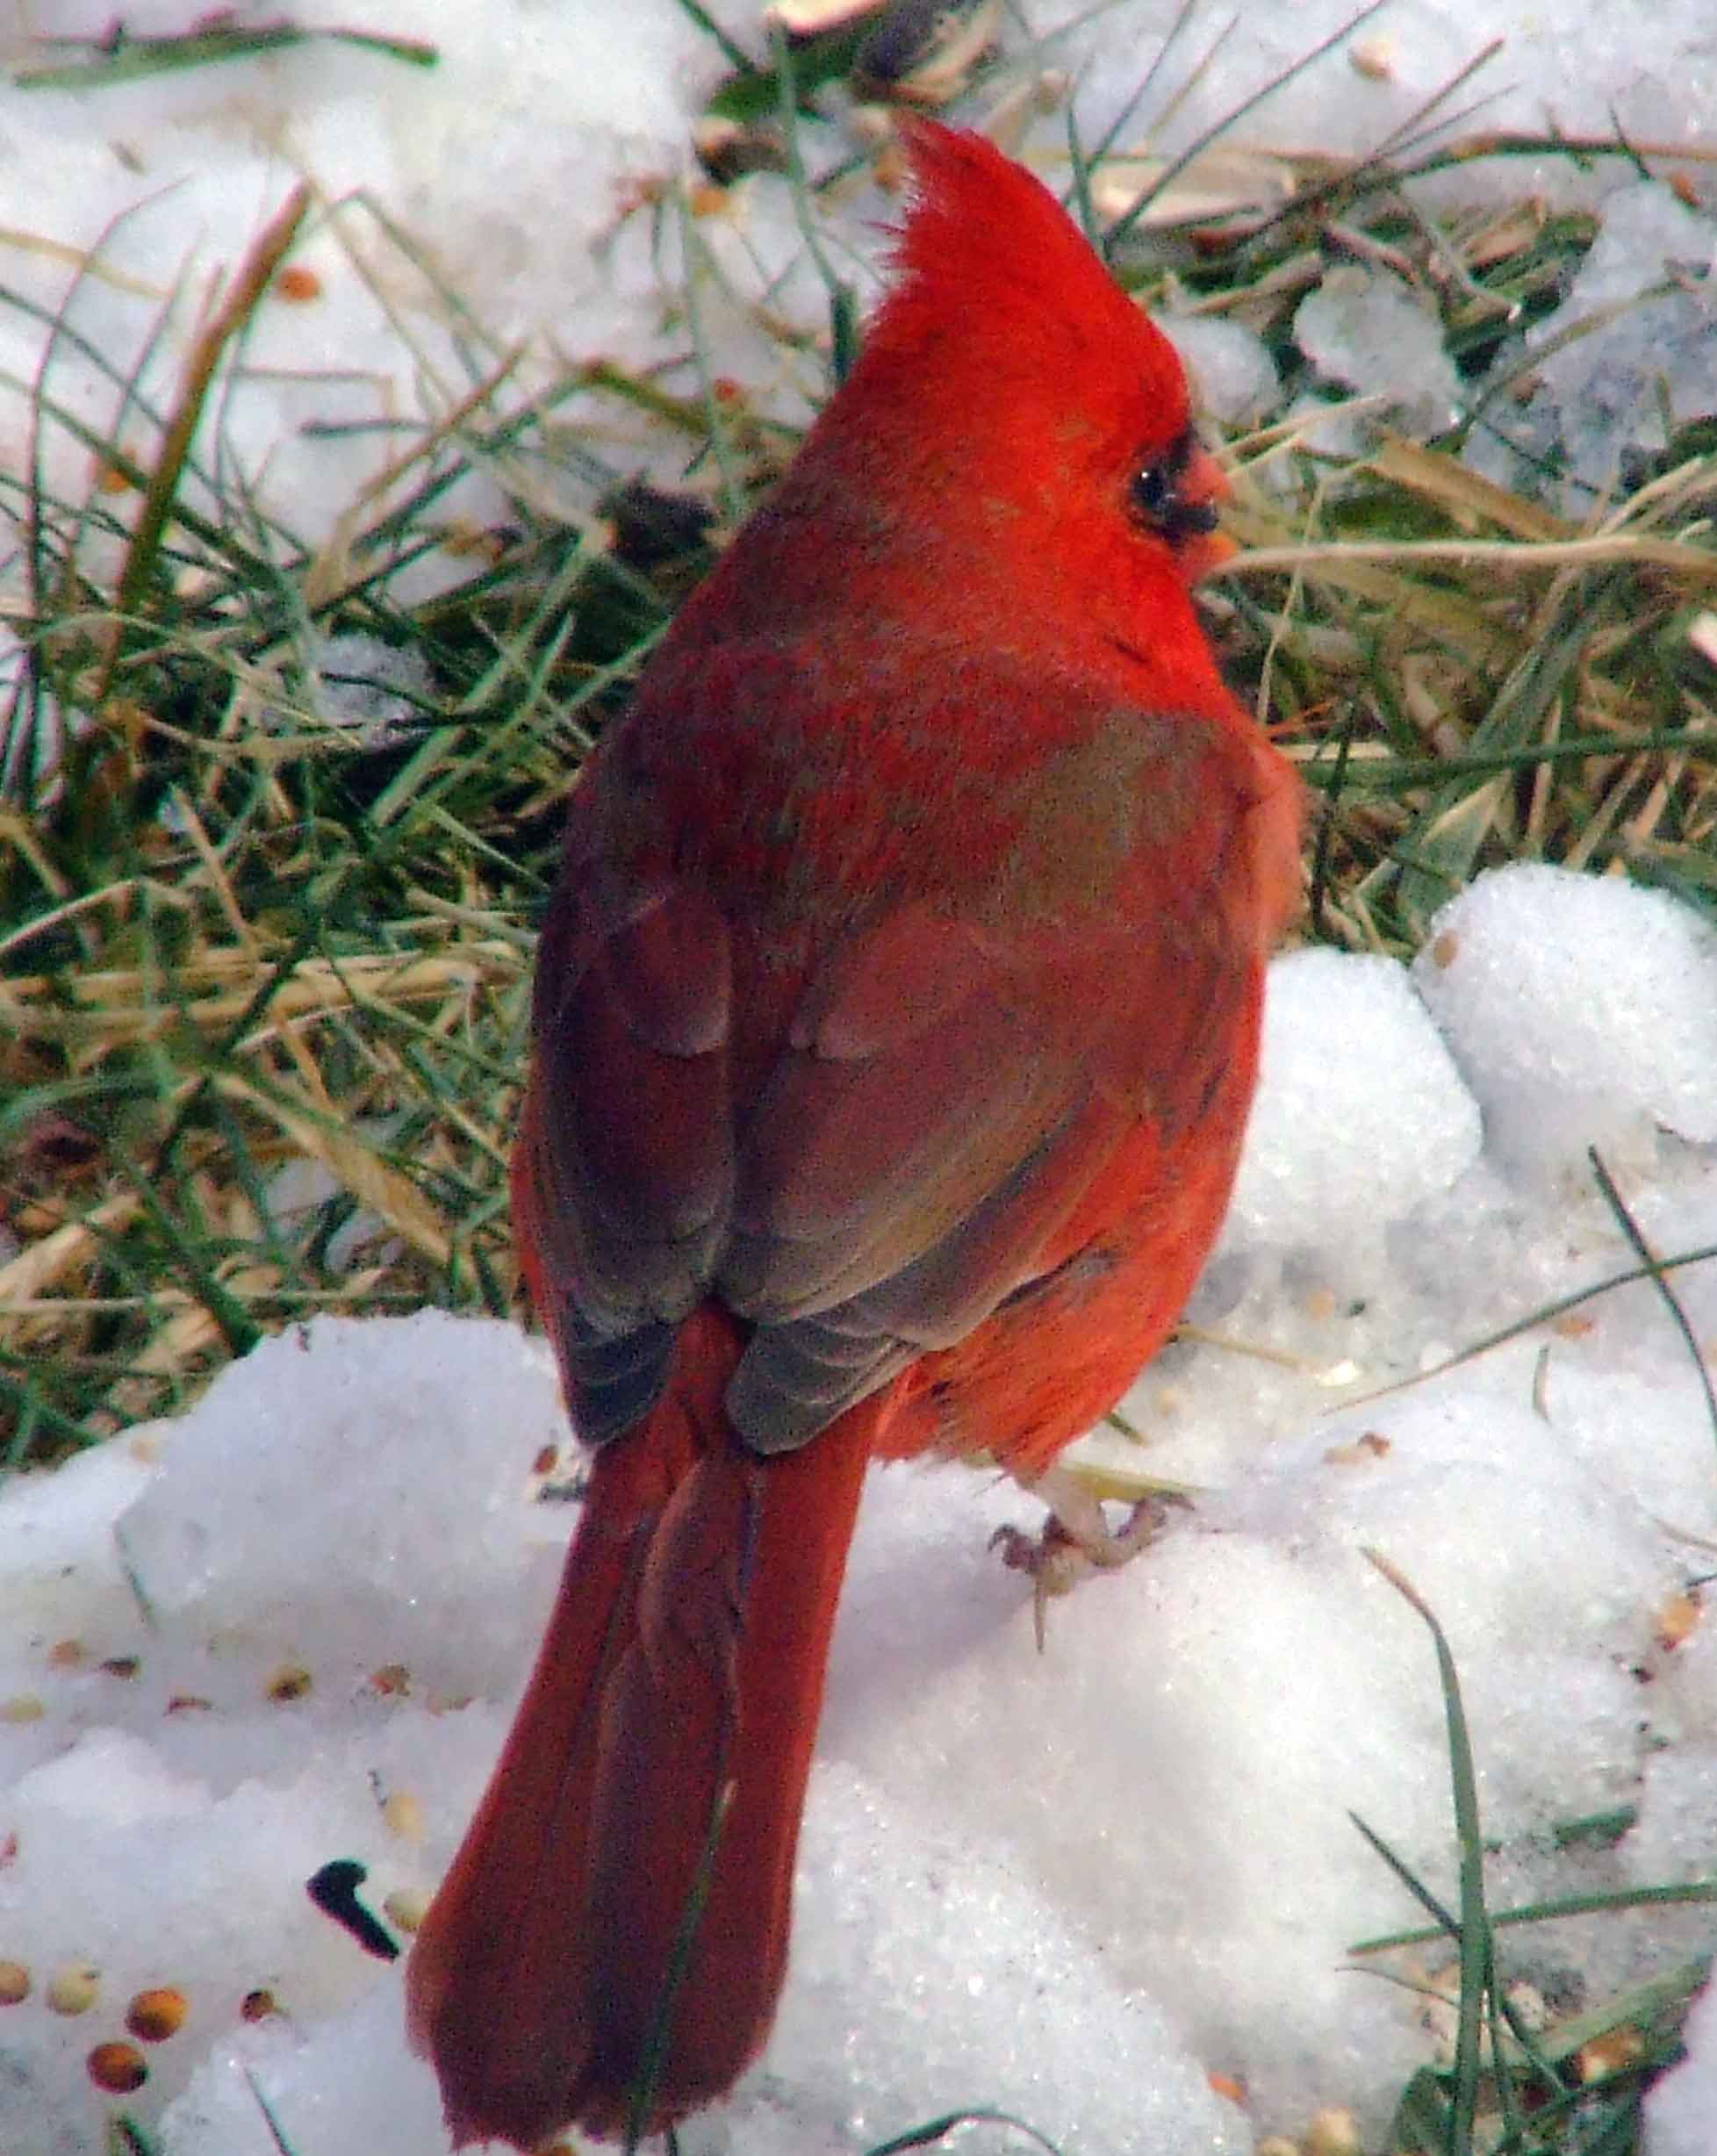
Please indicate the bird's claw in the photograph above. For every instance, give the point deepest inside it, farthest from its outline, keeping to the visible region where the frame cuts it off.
(1059, 1556)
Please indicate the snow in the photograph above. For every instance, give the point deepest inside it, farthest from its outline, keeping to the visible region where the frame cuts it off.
(1685, 2102)
(1650, 70)
(290, 1626)
(1641, 1055)
(1323, 1169)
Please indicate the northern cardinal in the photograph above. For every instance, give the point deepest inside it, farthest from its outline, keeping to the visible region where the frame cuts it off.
(896, 1022)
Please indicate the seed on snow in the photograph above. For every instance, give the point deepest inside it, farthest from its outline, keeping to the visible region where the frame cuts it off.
(1374, 59)
(299, 282)
(406, 1906)
(156, 2015)
(118, 2068)
(1333, 2132)
(1677, 1620)
(404, 1815)
(74, 1989)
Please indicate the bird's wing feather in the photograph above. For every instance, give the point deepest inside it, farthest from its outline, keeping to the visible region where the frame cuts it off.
(939, 1085)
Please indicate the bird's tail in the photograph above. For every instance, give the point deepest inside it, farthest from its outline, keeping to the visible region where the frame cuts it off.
(608, 1947)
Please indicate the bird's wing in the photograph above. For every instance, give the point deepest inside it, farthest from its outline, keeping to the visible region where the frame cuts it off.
(938, 1090)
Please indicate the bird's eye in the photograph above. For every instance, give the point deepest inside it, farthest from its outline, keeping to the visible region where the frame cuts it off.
(1164, 496)
(1153, 490)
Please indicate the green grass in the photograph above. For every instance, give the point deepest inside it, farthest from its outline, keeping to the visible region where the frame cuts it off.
(239, 941)
(1517, 2080)
(235, 935)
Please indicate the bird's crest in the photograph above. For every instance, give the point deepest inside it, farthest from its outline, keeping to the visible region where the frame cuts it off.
(986, 248)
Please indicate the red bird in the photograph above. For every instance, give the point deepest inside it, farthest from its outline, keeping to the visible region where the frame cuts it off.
(896, 1023)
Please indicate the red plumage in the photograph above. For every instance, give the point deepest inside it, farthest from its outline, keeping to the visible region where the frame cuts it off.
(896, 1023)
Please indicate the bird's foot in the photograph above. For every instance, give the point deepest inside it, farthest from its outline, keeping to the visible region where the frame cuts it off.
(1076, 1539)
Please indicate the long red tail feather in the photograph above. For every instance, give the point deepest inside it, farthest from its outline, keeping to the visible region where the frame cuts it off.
(651, 1788)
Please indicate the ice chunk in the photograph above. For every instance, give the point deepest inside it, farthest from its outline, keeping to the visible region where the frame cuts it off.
(380, 690)
(1363, 328)
(1233, 375)
(1614, 362)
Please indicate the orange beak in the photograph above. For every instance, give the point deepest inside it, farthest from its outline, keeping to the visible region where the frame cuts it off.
(1202, 485)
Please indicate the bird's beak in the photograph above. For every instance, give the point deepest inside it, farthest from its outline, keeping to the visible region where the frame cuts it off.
(1203, 485)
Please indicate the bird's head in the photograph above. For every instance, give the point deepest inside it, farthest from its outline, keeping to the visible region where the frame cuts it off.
(1029, 375)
